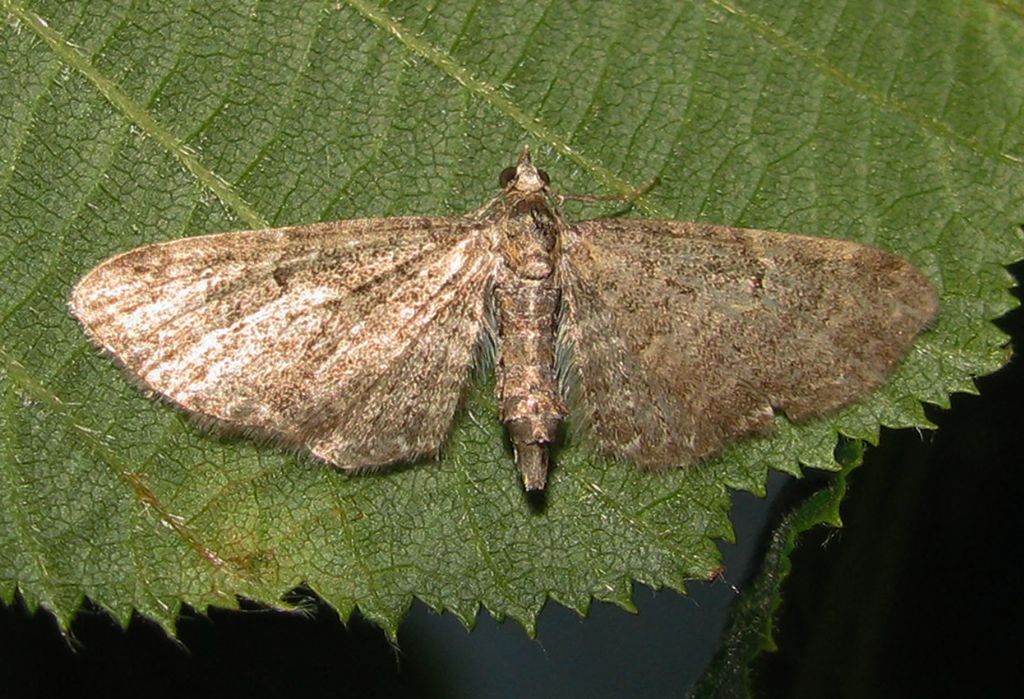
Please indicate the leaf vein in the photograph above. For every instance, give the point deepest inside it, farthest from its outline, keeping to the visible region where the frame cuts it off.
(87, 436)
(888, 103)
(487, 92)
(137, 114)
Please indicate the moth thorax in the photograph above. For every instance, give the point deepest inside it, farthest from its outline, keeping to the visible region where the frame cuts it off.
(536, 265)
(531, 252)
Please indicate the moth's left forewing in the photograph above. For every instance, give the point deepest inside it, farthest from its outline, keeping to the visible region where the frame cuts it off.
(352, 338)
(684, 336)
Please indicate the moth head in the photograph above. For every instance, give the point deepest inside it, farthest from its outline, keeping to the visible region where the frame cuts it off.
(524, 177)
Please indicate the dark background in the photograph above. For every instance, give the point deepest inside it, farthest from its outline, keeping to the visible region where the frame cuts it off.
(918, 595)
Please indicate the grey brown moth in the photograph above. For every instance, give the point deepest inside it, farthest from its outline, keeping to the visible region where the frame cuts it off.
(355, 339)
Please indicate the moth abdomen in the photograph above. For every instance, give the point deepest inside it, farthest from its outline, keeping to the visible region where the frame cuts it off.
(529, 400)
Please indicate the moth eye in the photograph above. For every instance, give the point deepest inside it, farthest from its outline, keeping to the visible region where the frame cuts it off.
(544, 176)
(506, 176)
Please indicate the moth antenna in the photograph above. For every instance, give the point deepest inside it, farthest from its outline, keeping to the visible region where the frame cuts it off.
(627, 197)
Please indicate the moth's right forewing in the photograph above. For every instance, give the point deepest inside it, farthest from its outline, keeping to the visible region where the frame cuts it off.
(351, 338)
(685, 336)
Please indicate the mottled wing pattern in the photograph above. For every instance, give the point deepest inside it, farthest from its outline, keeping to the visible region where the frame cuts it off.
(353, 339)
(684, 336)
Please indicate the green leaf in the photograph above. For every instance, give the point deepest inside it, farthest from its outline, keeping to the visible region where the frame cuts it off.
(131, 123)
(752, 619)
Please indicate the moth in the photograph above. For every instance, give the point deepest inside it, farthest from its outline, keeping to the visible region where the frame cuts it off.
(664, 340)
